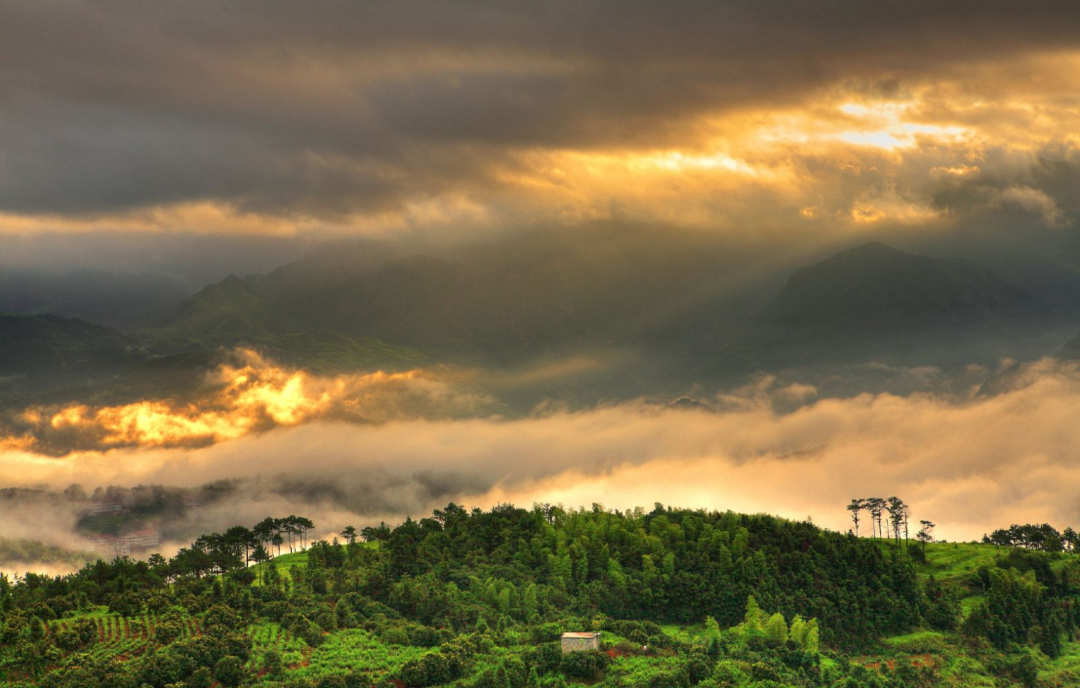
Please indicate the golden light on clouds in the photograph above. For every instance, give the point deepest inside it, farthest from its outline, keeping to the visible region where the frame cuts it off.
(741, 168)
(250, 395)
(968, 461)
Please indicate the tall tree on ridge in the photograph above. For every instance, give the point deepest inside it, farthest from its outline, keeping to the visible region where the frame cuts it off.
(855, 507)
(895, 506)
(875, 505)
(925, 534)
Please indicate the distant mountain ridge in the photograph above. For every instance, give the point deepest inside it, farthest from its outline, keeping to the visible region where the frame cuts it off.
(870, 297)
(40, 353)
(876, 301)
(875, 289)
(667, 307)
(119, 300)
(534, 295)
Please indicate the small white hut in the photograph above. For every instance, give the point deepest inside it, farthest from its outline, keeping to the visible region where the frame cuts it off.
(580, 642)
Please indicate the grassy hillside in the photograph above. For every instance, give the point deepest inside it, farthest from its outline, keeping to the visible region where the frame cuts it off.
(479, 600)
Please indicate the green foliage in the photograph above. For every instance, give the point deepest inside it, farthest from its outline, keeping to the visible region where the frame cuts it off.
(776, 630)
(588, 665)
(475, 599)
(229, 671)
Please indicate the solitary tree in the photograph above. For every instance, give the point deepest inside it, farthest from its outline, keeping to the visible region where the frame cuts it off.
(896, 508)
(925, 535)
(875, 505)
(855, 507)
(776, 630)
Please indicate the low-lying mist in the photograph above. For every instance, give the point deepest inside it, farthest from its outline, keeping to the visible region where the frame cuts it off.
(969, 461)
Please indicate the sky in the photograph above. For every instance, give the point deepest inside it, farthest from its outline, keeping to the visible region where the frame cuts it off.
(779, 120)
(198, 139)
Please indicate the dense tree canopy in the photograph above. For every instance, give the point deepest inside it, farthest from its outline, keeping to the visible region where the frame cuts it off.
(480, 598)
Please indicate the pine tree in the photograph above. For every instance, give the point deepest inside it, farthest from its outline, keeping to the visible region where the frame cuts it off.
(712, 628)
(855, 507)
(776, 630)
(530, 605)
(501, 679)
(534, 680)
(754, 618)
(813, 641)
(36, 630)
(798, 630)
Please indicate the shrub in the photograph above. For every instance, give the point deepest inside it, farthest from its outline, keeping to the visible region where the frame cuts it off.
(229, 671)
(589, 665)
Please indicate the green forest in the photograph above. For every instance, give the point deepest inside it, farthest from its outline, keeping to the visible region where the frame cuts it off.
(480, 599)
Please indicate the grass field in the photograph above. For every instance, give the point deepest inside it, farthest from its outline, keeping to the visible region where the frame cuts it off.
(357, 650)
(284, 565)
(958, 564)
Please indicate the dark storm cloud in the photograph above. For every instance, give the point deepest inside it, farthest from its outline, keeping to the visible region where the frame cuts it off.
(334, 108)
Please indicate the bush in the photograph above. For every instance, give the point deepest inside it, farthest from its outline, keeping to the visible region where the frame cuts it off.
(220, 620)
(589, 665)
(546, 658)
(546, 633)
(87, 631)
(229, 671)
(395, 635)
(67, 639)
(431, 669)
(167, 632)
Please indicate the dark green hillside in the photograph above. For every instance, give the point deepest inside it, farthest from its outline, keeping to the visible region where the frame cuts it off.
(42, 353)
(29, 342)
(232, 313)
(478, 599)
(229, 308)
(538, 293)
(875, 290)
(119, 300)
(873, 302)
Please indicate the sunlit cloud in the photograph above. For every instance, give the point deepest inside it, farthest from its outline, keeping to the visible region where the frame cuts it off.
(824, 157)
(970, 462)
(250, 394)
(1032, 201)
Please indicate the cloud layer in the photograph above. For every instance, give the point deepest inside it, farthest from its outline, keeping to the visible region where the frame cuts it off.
(970, 463)
(247, 394)
(766, 116)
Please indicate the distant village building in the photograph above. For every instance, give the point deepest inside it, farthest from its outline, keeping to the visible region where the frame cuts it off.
(123, 545)
(580, 642)
(141, 540)
(102, 508)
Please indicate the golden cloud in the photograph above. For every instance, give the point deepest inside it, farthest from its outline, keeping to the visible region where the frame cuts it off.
(970, 463)
(250, 394)
(770, 167)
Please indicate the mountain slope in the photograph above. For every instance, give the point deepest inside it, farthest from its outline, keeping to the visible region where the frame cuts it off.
(875, 302)
(117, 300)
(538, 293)
(230, 307)
(233, 312)
(873, 290)
(39, 353)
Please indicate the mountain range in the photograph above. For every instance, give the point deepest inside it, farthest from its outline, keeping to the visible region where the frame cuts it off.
(542, 298)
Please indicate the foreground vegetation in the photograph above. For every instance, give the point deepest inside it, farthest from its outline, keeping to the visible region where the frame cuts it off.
(478, 599)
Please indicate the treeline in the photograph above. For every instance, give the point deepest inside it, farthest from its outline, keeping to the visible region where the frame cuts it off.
(1042, 537)
(663, 565)
(484, 596)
